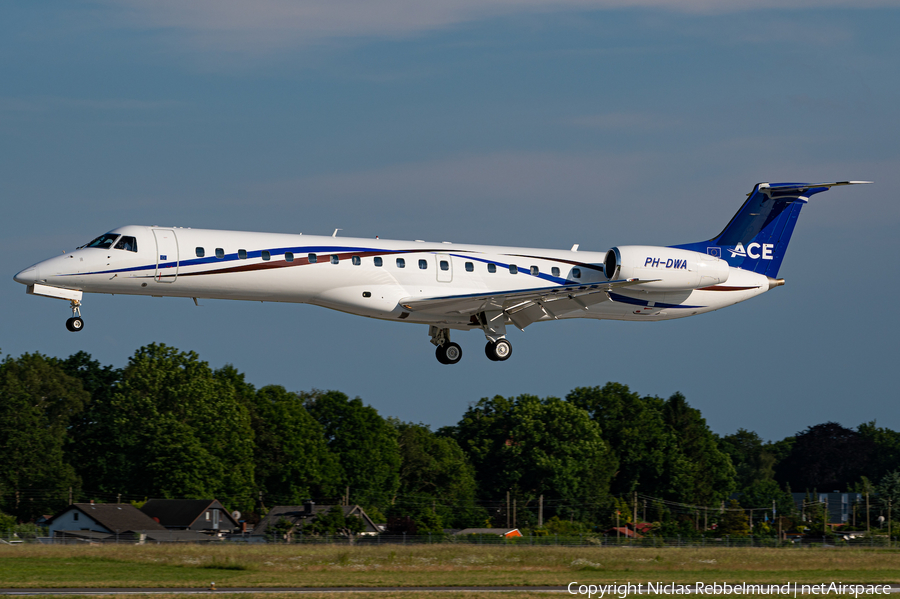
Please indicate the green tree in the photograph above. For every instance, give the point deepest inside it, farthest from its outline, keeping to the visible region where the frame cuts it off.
(752, 460)
(293, 462)
(172, 429)
(886, 455)
(888, 490)
(436, 479)
(634, 428)
(86, 443)
(533, 447)
(828, 456)
(734, 521)
(701, 473)
(364, 443)
(335, 522)
(762, 494)
(37, 402)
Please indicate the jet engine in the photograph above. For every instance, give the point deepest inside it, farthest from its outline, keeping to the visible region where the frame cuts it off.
(665, 269)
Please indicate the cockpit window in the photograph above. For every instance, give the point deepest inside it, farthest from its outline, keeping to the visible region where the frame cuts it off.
(127, 243)
(104, 242)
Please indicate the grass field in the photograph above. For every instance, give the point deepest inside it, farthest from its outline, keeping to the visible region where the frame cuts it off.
(437, 565)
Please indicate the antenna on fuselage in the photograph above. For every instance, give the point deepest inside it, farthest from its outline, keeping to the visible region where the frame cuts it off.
(335, 232)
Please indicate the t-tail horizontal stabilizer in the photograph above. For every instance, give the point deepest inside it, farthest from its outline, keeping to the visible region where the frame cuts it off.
(757, 237)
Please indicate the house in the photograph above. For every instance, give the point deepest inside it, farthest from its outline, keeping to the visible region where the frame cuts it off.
(92, 521)
(501, 532)
(301, 515)
(197, 515)
(624, 531)
(840, 505)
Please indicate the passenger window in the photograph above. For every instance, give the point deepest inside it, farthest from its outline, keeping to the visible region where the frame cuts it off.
(470, 267)
(445, 265)
(378, 261)
(242, 254)
(200, 252)
(535, 271)
(492, 268)
(401, 263)
(513, 269)
(423, 264)
(356, 260)
(555, 271)
(220, 253)
(266, 255)
(127, 243)
(288, 256)
(335, 259)
(312, 258)
(576, 272)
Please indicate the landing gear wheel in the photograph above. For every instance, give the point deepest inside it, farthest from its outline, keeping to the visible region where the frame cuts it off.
(448, 353)
(452, 353)
(498, 351)
(440, 354)
(75, 324)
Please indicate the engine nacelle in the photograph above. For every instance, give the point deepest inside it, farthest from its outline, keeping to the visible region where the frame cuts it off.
(673, 268)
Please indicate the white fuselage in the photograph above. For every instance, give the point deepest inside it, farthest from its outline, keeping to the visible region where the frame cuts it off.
(361, 276)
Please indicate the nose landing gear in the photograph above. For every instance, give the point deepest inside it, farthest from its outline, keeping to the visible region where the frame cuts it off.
(76, 323)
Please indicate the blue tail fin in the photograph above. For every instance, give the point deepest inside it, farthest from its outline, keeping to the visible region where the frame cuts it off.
(757, 237)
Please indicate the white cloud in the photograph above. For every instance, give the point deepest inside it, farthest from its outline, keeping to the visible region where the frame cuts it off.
(267, 25)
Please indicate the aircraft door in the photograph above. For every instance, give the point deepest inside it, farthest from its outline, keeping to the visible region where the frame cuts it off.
(444, 268)
(166, 255)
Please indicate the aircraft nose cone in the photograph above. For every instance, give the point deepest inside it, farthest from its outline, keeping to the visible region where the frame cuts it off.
(28, 276)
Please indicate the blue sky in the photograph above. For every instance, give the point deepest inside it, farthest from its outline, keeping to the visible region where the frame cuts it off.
(529, 122)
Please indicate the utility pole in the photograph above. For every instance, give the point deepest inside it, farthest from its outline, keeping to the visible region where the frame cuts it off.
(618, 530)
(705, 518)
(635, 512)
(825, 518)
(507, 509)
(514, 513)
(645, 510)
(347, 496)
(867, 510)
(541, 511)
(889, 522)
(70, 495)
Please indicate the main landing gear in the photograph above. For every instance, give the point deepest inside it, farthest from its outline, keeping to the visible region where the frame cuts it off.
(498, 348)
(447, 352)
(76, 323)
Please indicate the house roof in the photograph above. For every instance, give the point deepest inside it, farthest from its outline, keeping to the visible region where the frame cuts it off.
(114, 517)
(183, 536)
(490, 531)
(83, 534)
(625, 532)
(297, 514)
(183, 512)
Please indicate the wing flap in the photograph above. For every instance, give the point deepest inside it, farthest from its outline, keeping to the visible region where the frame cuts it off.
(523, 305)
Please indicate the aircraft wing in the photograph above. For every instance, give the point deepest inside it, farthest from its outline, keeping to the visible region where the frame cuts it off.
(523, 306)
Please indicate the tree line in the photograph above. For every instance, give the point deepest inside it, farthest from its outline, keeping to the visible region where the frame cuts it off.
(169, 426)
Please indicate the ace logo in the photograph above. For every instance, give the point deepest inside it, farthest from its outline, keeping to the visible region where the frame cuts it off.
(753, 251)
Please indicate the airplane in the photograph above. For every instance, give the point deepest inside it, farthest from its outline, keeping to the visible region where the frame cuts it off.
(442, 285)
